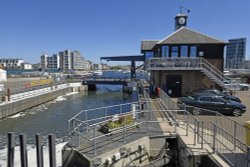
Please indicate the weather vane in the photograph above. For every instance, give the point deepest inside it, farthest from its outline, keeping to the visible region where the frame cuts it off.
(184, 9)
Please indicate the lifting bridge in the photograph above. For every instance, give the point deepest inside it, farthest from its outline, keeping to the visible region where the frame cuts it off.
(133, 59)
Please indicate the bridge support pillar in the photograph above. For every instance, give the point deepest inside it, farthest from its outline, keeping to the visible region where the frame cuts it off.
(92, 87)
(132, 70)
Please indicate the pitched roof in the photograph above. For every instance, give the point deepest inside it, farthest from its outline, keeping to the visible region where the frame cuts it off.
(148, 45)
(188, 36)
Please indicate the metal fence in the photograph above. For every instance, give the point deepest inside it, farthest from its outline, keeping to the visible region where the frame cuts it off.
(222, 135)
(226, 145)
(21, 141)
(11, 89)
(221, 128)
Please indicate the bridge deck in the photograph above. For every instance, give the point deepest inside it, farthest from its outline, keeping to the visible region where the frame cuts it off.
(106, 81)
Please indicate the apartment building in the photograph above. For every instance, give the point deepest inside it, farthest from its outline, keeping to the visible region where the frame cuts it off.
(64, 60)
(11, 63)
(236, 53)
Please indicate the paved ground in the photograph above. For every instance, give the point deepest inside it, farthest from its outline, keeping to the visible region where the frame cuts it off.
(245, 98)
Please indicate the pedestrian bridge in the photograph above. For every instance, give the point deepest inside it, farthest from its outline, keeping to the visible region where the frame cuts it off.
(105, 81)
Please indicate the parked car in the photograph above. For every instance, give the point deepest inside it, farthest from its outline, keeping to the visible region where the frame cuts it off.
(221, 94)
(237, 86)
(214, 103)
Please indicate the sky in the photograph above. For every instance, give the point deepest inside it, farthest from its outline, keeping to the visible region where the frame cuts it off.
(99, 28)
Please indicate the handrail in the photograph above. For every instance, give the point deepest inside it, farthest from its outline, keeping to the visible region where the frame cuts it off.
(189, 64)
(100, 109)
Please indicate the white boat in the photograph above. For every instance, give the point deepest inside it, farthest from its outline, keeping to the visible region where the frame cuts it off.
(126, 71)
(97, 73)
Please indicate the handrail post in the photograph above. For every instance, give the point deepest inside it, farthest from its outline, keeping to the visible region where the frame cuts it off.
(235, 134)
(147, 119)
(121, 109)
(52, 150)
(124, 132)
(175, 122)
(23, 150)
(248, 156)
(94, 139)
(39, 150)
(195, 130)
(187, 122)
(106, 113)
(86, 115)
(214, 136)
(11, 149)
(198, 132)
(202, 131)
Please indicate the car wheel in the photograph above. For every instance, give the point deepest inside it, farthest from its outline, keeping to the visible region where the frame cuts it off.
(196, 111)
(245, 88)
(236, 112)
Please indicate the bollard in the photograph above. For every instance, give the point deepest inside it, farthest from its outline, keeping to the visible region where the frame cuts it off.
(23, 150)
(11, 149)
(52, 150)
(39, 151)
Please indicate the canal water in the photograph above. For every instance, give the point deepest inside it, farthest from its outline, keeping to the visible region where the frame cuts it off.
(52, 117)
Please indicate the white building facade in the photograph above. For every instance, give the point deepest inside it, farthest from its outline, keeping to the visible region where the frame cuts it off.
(11, 63)
(65, 61)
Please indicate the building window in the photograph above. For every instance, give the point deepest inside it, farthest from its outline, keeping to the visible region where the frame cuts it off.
(165, 51)
(193, 51)
(149, 55)
(174, 52)
(201, 54)
(184, 51)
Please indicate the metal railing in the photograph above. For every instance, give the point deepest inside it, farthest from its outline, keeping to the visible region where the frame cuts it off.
(24, 158)
(191, 64)
(221, 141)
(216, 135)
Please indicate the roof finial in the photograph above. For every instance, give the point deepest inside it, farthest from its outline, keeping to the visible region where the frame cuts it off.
(184, 9)
(181, 7)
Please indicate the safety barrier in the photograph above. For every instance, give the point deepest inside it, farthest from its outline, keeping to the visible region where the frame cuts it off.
(23, 150)
(224, 136)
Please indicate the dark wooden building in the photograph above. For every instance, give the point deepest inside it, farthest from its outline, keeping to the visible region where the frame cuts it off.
(185, 61)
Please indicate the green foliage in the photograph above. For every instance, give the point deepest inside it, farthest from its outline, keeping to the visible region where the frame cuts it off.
(124, 120)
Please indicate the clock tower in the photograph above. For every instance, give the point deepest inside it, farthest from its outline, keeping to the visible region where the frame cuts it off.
(180, 21)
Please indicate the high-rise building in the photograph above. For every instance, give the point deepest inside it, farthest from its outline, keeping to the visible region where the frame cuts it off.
(236, 53)
(44, 61)
(65, 60)
(53, 62)
(78, 62)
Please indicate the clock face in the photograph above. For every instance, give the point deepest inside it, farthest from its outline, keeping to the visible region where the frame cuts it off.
(181, 20)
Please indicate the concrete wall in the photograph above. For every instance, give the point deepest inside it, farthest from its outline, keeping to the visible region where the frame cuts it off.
(13, 107)
(133, 146)
(10, 108)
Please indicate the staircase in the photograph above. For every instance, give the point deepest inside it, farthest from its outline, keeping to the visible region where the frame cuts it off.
(214, 74)
(200, 64)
